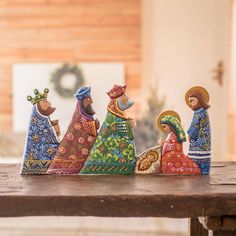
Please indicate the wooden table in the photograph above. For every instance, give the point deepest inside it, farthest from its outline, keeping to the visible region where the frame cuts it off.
(213, 198)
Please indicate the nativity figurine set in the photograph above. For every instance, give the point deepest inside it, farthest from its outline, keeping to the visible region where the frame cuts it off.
(88, 149)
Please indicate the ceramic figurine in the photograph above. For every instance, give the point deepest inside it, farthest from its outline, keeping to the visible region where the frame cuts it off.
(173, 161)
(197, 98)
(114, 150)
(79, 138)
(149, 162)
(42, 138)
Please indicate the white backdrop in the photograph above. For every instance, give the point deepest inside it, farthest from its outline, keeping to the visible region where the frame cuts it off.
(183, 42)
(26, 77)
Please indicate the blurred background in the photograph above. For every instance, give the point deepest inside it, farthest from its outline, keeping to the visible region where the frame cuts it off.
(159, 48)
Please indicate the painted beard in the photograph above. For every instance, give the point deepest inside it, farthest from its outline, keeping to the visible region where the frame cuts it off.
(89, 109)
(46, 112)
(196, 107)
(124, 107)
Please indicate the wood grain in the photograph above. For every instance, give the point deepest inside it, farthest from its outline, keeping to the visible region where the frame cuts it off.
(196, 228)
(223, 233)
(67, 31)
(115, 196)
(229, 223)
(211, 223)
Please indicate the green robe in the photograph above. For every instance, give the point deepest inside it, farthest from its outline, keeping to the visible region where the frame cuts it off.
(114, 150)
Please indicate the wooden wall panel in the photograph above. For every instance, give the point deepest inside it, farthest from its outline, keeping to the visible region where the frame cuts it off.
(67, 31)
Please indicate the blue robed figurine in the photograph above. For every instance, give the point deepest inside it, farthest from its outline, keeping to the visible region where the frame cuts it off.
(42, 137)
(197, 98)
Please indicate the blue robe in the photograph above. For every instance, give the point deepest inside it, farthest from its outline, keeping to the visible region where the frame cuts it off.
(200, 142)
(41, 144)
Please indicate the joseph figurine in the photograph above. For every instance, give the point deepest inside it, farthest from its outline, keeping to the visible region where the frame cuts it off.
(199, 132)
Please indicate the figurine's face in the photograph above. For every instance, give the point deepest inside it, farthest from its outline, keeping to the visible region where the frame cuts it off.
(45, 107)
(166, 128)
(193, 102)
(124, 102)
(87, 106)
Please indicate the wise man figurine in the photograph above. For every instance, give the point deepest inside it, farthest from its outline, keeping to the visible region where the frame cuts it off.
(42, 138)
(79, 138)
(197, 98)
(114, 150)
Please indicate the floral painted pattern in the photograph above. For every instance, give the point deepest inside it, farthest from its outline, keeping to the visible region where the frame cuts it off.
(200, 140)
(114, 150)
(75, 146)
(41, 144)
(200, 131)
(173, 161)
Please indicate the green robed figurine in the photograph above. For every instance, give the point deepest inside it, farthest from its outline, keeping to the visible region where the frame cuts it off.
(114, 149)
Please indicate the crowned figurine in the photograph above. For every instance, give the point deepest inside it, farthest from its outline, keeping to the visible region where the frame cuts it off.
(114, 150)
(79, 138)
(197, 98)
(173, 160)
(42, 138)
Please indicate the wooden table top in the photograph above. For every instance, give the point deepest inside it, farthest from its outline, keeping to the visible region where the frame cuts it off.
(121, 196)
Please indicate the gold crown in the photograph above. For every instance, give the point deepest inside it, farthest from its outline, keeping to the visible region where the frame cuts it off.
(38, 96)
(116, 91)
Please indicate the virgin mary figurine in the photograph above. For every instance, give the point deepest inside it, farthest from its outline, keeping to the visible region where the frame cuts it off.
(174, 161)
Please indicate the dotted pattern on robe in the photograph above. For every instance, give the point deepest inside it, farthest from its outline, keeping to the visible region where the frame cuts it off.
(200, 143)
(173, 161)
(114, 150)
(75, 145)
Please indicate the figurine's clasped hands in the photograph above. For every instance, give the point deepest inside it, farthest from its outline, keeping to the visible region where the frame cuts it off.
(97, 124)
(161, 141)
(189, 138)
(57, 129)
(132, 122)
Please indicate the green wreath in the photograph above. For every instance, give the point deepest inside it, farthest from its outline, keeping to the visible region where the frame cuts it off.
(58, 75)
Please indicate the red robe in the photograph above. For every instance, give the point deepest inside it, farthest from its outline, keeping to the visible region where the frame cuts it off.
(76, 144)
(173, 161)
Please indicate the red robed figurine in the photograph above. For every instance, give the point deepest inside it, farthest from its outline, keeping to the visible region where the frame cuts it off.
(174, 161)
(79, 138)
